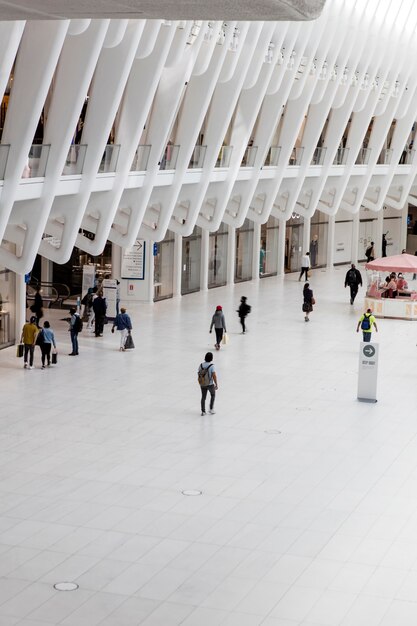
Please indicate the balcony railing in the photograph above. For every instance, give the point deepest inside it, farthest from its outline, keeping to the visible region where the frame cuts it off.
(37, 161)
(75, 160)
(363, 156)
(385, 156)
(318, 156)
(110, 157)
(249, 156)
(296, 156)
(407, 157)
(4, 155)
(272, 158)
(225, 154)
(169, 157)
(197, 157)
(141, 158)
(341, 156)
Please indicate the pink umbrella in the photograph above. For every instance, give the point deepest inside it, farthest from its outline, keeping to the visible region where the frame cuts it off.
(405, 263)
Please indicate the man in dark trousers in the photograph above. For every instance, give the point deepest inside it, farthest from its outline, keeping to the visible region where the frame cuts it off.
(353, 279)
(100, 308)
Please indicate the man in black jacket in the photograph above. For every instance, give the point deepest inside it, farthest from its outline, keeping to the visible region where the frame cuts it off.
(100, 308)
(353, 279)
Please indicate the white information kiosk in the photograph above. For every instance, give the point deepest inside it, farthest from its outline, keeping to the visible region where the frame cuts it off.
(368, 371)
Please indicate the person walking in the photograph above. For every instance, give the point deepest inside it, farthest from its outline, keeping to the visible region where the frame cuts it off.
(37, 306)
(353, 279)
(100, 308)
(75, 328)
(243, 310)
(370, 252)
(47, 343)
(384, 244)
(207, 379)
(366, 323)
(219, 323)
(308, 301)
(305, 265)
(29, 333)
(123, 324)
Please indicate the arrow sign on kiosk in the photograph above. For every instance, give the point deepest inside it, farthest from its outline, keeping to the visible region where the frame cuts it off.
(368, 371)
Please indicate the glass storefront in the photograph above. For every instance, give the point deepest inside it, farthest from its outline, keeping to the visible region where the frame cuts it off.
(268, 255)
(7, 307)
(164, 268)
(294, 243)
(71, 273)
(244, 249)
(191, 262)
(319, 231)
(217, 266)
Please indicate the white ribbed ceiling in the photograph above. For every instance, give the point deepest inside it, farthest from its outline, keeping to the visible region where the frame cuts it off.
(167, 9)
(312, 115)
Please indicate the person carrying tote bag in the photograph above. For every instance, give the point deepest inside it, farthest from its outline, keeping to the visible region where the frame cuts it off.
(129, 344)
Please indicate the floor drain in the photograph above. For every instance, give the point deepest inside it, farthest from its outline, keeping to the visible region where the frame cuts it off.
(273, 431)
(66, 586)
(191, 492)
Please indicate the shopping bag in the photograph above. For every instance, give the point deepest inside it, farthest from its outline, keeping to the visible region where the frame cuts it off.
(225, 339)
(19, 350)
(54, 358)
(129, 345)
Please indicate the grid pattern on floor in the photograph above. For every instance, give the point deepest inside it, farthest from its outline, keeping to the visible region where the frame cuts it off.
(308, 511)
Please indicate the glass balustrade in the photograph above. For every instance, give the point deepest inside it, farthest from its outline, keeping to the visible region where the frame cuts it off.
(318, 156)
(141, 159)
(4, 155)
(272, 158)
(249, 156)
(197, 157)
(341, 156)
(385, 157)
(169, 157)
(225, 154)
(109, 159)
(75, 160)
(296, 156)
(363, 156)
(35, 166)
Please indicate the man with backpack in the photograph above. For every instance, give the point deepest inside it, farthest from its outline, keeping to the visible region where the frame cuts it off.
(353, 279)
(207, 379)
(76, 326)
(366, 323)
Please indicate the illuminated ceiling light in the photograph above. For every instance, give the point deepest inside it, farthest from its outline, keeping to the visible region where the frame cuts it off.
(222, 34)
(194, 32)
(396, 90)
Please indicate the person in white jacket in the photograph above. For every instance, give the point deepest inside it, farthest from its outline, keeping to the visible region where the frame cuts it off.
(305, 265)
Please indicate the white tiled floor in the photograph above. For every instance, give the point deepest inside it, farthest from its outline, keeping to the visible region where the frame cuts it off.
(315, 525)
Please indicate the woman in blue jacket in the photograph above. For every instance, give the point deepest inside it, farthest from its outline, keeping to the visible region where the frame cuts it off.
(123, 324)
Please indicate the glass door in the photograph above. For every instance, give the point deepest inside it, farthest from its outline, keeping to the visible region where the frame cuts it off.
(318, 239)
(191, 262)
(217, 258)
(164, 268)
(294, 243)
(244, 248)
(268, 255)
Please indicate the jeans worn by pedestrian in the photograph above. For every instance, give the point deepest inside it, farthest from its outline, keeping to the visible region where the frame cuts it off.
(204, 391)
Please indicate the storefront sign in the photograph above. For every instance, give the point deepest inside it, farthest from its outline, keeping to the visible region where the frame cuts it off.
(368, 371)
(133, 262)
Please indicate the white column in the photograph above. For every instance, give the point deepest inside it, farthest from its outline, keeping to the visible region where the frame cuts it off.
(306, 234)
(205, 249)
(231, 255)
(177, 265)
(355, 238)
(281, 248)
(330, 241)
(403, 232)
(378, 236)
(20, 297)
(46, 270)
(116, 261)
(150, 263)
(255, 250)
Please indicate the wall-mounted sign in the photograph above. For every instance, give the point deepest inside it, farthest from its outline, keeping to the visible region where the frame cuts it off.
(133, 262)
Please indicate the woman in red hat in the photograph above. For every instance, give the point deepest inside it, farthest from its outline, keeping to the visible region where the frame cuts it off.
(219, 324)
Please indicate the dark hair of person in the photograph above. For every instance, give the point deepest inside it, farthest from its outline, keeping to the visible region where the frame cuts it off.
(46, 324)
(306, 286)
(72, 310)
(209, 357)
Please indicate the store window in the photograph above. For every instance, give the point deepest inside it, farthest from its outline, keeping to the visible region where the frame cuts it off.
(294, 243)
(319, 231)
(71, 273)
(191, 262)
(217, 267)
(7, 307)
(164, 268)
(268, 255)
(244, 249)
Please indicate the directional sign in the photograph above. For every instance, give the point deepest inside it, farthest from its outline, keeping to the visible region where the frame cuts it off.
(133, 262)
(368, 371)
